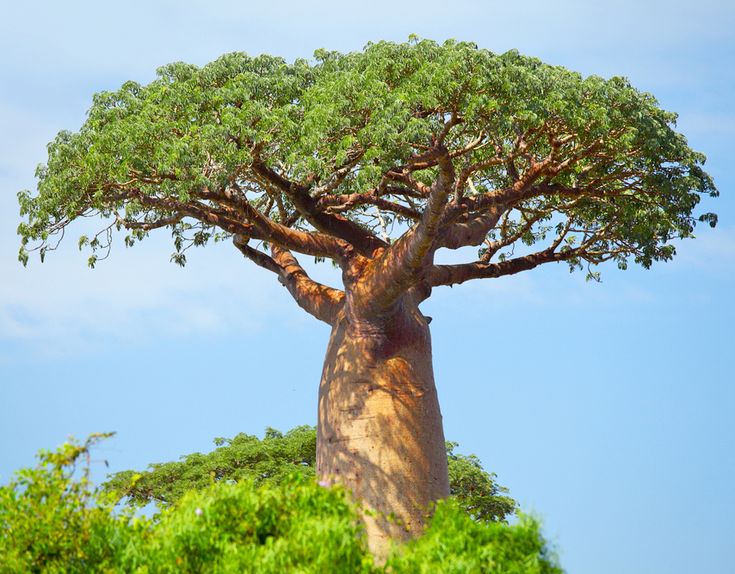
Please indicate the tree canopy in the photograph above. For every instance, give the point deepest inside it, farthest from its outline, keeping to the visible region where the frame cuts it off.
(275, 459)
(444, 146)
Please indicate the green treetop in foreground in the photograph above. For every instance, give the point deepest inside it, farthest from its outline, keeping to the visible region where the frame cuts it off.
(276, 458)
(376, 160)
(52, 521)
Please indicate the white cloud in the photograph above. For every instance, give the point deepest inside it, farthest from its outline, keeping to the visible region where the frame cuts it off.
(62, 307)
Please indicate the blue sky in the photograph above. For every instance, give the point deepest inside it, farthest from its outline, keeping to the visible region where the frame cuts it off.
(607, 409)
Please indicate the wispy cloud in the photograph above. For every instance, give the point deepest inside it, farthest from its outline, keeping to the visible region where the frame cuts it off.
(62, 307)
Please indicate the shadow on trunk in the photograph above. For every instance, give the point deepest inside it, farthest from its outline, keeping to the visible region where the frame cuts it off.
(380, 427)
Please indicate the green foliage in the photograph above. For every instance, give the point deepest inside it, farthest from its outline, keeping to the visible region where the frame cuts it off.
(52, 521)
(455, 544)
(244, 458)
(294, 527)
(277, 457)
(151, 154)
(475, 490)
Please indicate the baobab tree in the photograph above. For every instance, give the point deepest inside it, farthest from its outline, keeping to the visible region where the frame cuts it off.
(376, 160)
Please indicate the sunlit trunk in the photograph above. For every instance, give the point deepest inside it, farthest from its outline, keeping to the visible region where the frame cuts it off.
(380, 428)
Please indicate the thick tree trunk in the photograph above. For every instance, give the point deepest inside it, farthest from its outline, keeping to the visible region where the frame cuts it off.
(380, 428)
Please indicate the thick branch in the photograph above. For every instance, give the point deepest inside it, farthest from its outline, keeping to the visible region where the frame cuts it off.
(400, 267)
(494, 246)
(456, 274)
(336, 225)
(318, 244)
(482, 212)
(470, 232)
(316, 299)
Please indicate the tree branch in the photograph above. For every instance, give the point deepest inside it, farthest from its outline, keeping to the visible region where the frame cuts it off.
(494, 246)
(316, 243)
(338, 176)
(483, 211)
(198, 211)
(332, 224)
(456, 274)
(240, 218)
(313, 297)
(333, 203)
(399, 267)
(148, 225)
(470, 232)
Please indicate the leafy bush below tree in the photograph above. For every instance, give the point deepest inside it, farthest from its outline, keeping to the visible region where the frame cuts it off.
(52, 520)
(277, 457)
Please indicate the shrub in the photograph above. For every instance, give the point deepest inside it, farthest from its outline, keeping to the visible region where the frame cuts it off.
(53, 521)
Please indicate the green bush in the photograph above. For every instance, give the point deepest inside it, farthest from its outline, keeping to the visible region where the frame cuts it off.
(454, 543)
(243, 458)
(52, 520)
(293, 527)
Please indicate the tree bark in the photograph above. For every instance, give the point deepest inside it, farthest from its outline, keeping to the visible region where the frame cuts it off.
(380, 428)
